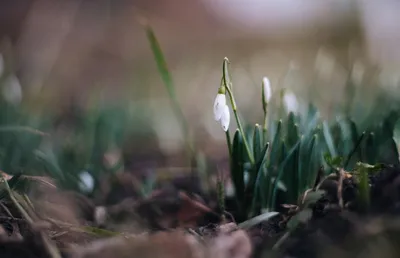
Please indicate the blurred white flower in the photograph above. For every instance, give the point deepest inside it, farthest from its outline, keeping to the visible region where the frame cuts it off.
(219, 105)
(100, 215)
(267, 89)
(225, 118)
(290, 102)
(12, 90)
(86, 183)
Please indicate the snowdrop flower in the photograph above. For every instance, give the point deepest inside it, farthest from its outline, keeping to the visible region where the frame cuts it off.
(219, 105)
(12, 90)
(221, 109)
(86, 182)
(225, 118)
(267, 93)
(290, 102)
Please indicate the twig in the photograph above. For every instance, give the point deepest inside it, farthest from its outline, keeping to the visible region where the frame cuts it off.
(51, 249)
(305, 195)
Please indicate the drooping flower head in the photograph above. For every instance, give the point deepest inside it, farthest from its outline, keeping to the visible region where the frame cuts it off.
(221, 109)
(219, 104)
(225, 119)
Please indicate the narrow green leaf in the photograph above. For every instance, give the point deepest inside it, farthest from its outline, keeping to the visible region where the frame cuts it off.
(50, 163)
(292, 130)
(281, 172)
(237, 163)
(276, 146)
(298, 166)
(370, 153)
(168, 82)
(257, 142)
(357, 145)
(329, 139)
(314, 162)
(255, 183)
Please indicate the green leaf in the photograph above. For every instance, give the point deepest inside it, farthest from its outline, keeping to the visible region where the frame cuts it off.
(257, 142)
(333, 161)
(370, 153)
(282, 169)
(356, 147)
(255, 183)
(276, 146)
(292, 131)
(312, 119)
(314, 161)
(249, 133)
(329, 139)
(50, 163)
(167, 79)
(237, 163)
(17, 182)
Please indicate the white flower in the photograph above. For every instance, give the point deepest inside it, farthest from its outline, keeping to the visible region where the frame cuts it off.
(219, 105)
(267, 89)
(225, 118)
(12, 90)
(290, 102)
(100, 215)
(87, 182)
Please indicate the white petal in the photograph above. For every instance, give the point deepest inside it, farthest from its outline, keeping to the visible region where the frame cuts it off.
(267, 89)
(290, 102)
(219, 104)
(87, 182)
(12, 91)
(226, 118)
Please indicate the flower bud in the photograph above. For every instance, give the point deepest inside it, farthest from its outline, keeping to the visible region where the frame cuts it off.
(219, 104)
(225, 119)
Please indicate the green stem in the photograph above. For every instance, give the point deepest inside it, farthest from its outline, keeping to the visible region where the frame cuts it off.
(265, 126)
(228, 141)
(234, 108)
(265, 121)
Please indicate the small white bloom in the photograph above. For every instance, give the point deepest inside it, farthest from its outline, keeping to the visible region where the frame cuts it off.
(225, 118)
(87, 183)
(12, 90)
(219, 104)
(100, 215)
(290, 102)
(267, 89)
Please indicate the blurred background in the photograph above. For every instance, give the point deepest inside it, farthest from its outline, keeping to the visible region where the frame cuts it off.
(65, 52)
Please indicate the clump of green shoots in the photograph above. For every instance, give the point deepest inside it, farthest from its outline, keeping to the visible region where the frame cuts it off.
(272, 168)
